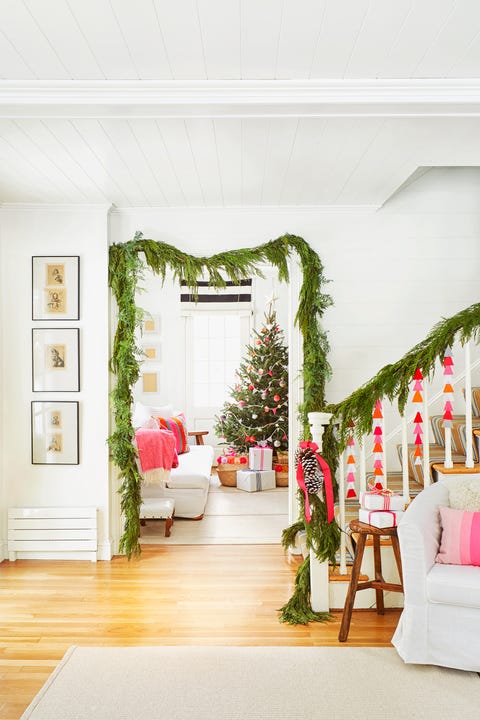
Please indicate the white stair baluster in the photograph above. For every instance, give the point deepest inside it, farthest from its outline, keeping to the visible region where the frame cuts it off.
(426, 438)
(341, 514)
(319, 576)
(468, 409)
(405, 478)
(363, 464)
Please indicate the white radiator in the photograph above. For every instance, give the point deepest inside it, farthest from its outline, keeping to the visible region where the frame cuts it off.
(52, 533)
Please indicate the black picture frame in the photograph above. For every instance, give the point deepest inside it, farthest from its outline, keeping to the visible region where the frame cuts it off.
(55, 432)
(55, 359)
(55, 287)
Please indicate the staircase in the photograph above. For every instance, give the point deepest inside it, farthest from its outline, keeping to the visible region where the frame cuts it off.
(455, 450)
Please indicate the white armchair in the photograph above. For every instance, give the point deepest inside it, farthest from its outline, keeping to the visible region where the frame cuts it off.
(440, 623)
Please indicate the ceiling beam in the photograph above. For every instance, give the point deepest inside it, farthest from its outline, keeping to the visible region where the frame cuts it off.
(261, 98)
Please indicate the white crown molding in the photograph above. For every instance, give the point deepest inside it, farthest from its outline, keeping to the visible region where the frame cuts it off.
(104, 208)
(240, 98)
(242, 210)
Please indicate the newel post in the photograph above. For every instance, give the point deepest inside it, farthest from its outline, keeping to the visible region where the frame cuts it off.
(319, 579)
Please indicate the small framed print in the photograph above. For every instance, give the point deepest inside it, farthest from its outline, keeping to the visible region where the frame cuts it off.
(151, 324)
(151, 352)
(54, 433)
(55, 360)
(56, 287)
(150, 382)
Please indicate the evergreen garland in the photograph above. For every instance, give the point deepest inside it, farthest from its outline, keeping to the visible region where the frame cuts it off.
(125, 269)
(393, 381)
(298, 610)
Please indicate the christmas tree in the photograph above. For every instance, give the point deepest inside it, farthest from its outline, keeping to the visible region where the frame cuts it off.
(257, 411)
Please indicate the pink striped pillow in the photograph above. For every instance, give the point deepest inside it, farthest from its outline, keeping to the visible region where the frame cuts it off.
(460, 541)
(178, 426)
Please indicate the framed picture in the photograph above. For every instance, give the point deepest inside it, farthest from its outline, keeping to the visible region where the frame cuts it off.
(56, 287)
(151, 324)
(55, 360)
(150, 382)
(151, 352)
(54, 433)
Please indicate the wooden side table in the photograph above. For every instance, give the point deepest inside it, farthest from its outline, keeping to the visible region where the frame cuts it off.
(378, 584)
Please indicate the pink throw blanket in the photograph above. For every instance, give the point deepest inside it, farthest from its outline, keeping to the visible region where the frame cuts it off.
(157, 454)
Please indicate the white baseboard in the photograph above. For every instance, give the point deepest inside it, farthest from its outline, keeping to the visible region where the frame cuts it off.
(104, 550)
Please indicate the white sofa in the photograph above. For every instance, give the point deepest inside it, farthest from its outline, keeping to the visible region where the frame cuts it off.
(188, 485)
(440, 623)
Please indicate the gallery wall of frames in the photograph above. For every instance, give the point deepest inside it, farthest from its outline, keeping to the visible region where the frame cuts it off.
(55, 359)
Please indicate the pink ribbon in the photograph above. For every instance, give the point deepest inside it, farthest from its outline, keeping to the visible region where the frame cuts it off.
(327, 482)
(386, 493)
(262, 449)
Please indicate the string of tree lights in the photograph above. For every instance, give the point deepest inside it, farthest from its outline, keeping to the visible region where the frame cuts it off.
(257, 410)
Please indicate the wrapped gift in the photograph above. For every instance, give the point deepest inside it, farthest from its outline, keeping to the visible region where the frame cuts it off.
(255, 480)
(382, 500)
(380, 518)
(260, 458)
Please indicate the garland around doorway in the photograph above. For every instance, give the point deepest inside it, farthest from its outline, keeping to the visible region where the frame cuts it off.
(127, 263)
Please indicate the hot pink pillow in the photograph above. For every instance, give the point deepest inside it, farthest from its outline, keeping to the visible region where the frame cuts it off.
(460, 541)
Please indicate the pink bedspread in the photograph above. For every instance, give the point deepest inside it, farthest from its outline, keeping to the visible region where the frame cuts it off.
(156, 449)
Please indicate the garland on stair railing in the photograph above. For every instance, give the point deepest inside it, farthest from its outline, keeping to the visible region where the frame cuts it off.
(393, 381)
(127, 263)
(354, 415)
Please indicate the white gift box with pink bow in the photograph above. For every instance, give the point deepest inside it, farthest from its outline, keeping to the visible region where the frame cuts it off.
(260, 458)
(382, 500)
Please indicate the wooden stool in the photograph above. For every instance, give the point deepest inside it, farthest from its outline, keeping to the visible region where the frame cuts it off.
(379, 583)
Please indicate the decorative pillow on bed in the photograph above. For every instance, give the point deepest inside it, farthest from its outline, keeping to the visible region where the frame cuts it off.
(176, 424)
(464, 494)
(460, 541)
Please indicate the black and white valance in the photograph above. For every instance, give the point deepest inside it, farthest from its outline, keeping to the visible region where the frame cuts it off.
(239, 293)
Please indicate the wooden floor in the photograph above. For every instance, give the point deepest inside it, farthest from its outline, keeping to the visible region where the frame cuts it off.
(177, 595)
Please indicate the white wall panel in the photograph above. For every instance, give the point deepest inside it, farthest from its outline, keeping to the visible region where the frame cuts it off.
(228, 134)
(149, 136)
(137, 164)
(220, 28)
(71, 138)
(382, 23)
(260, 28)
(175, 135)
(300, 28)
(108, 153)
(179, 23)
(256, 138)
(201, 137)
(421, 27)
(340, 28)
(281, 142)
(99, 24)
(139, 24)
(460, 29)
(56, 22)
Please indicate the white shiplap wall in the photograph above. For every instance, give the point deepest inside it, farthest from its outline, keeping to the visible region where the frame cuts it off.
(238, 39)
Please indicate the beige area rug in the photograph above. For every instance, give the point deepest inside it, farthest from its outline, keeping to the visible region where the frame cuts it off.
(251, 683)
(231, 517)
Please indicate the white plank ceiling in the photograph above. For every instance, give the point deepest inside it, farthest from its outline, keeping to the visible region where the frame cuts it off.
(218, 103)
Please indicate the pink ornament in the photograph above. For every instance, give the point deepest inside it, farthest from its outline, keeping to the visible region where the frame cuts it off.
(241, 403)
